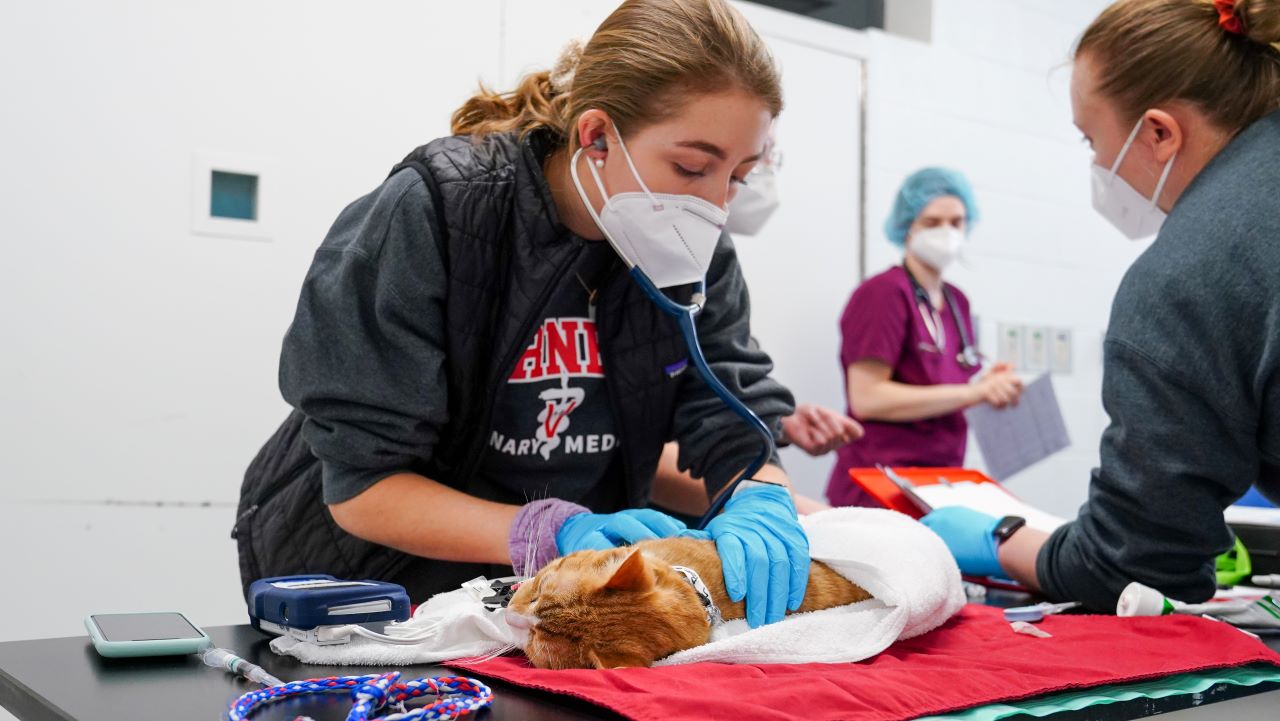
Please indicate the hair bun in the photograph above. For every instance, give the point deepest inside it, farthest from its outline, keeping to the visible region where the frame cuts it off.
(566, 65)
(1261, 20)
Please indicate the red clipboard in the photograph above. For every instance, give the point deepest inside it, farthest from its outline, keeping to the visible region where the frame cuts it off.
(875, 482)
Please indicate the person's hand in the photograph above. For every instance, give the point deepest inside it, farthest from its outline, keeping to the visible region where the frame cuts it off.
(970, 536)
(763, 551)
(602, 531)
(819, 430)
(1000, 387)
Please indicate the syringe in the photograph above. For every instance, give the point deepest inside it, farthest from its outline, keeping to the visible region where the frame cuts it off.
(224, 659)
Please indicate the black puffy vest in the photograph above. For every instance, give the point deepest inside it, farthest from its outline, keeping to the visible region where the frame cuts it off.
(496, 229)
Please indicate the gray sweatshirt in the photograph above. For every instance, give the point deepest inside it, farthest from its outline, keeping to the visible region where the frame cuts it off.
(365, 357)
(1192, 387)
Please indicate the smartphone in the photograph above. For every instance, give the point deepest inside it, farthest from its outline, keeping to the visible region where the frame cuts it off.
(117, 635)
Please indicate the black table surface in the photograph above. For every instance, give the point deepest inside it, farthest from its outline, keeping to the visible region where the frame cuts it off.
(65, 678)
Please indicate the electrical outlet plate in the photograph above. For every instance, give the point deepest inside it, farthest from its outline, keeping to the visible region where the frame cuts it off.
(1060, 351)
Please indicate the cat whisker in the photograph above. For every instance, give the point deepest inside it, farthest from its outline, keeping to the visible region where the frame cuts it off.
(500, 651)
(531, 549)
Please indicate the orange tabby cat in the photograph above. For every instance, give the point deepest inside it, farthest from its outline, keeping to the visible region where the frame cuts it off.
(628, 607)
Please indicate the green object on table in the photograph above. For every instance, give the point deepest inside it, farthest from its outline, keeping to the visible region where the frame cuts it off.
(1175, 685)
(1234, 565)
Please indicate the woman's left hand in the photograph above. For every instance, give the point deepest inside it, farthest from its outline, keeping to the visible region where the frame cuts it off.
(970, 536)
(819, 430)
(602, 531)
(763, 551)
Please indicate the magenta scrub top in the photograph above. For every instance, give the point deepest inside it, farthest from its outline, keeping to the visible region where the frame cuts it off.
(882, 321)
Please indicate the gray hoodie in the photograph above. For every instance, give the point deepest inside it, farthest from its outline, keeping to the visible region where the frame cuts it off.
(1192, 386)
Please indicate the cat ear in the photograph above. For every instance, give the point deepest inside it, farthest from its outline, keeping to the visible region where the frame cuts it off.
(632, 575)
(614, 659)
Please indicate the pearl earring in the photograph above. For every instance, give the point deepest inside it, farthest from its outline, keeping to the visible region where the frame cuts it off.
(599, 162)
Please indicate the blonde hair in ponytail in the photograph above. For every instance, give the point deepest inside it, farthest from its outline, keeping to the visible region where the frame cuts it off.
(645, 58)
(1155, 51)
(539, 101)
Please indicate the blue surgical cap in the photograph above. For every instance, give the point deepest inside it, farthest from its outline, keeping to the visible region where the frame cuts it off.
(917, 191)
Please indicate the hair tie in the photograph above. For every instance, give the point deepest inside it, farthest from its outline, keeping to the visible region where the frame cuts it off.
(561, 76)
(1227, 18)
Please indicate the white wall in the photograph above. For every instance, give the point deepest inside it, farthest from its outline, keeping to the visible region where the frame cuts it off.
(142, 357)
(138, 359)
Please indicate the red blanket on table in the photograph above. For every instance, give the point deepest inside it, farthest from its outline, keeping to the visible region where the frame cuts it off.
(974, 659)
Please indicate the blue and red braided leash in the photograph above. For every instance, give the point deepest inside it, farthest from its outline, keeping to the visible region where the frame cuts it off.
(456, 696)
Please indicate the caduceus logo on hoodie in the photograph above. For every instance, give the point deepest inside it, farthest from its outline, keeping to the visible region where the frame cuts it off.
(562, 350)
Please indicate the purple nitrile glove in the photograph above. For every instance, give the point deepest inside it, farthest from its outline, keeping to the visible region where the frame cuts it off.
(532, 543)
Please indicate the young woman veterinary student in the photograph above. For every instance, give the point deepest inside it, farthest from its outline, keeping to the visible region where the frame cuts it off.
(484, 384)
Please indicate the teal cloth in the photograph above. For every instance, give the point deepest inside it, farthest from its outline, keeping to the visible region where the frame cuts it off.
(1184, 683)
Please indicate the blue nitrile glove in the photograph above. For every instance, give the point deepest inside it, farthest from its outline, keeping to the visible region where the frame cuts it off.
(602, 531)
(970, 536)
(763, 550)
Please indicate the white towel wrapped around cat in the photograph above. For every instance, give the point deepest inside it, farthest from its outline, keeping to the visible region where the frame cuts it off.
(910, 575)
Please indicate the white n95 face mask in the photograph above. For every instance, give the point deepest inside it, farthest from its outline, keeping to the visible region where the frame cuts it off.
(939, 246)
(1132, 213)
(670, 238)
(755, 202)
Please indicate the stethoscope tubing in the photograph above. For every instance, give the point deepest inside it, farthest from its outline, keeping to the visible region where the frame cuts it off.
(968, 357)
(685, 316)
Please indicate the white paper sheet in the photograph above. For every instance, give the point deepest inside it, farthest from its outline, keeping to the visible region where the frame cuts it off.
(988, 498)
(1014, 438)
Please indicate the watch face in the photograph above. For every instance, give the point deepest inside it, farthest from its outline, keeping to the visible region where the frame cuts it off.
(1008, 525)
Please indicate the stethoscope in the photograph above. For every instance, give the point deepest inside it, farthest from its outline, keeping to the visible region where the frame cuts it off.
(685, 315)
(968, 357)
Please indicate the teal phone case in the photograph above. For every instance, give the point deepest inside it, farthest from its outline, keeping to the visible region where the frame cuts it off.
(158, 647)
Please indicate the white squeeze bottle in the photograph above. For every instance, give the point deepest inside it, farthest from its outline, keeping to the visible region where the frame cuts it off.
(1139, 600)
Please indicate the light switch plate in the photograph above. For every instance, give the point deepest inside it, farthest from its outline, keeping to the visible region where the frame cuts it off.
(1035, 349)
(1009, 348)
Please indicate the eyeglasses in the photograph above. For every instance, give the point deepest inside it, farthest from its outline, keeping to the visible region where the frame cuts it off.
(770, 162)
